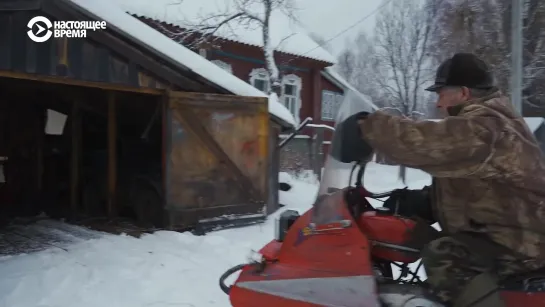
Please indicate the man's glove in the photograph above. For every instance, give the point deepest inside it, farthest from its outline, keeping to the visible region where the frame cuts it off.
(396, 196)
(348, 145)
(411, 203)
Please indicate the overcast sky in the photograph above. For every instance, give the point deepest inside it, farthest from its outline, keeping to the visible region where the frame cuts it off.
(329, 17)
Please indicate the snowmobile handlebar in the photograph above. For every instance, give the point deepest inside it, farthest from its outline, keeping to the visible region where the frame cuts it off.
(359, 182)
(378, 195)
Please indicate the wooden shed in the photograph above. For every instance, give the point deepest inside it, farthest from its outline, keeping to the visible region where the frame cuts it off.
(152, 129)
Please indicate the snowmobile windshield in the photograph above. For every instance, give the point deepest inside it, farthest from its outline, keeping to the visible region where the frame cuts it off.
(336, 174)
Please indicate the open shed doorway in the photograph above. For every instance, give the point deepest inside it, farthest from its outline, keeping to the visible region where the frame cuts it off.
(55, 152)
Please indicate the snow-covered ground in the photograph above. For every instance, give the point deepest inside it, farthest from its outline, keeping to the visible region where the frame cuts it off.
(164, 269)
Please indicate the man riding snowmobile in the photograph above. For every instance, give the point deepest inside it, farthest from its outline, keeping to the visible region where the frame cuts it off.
(488, 189)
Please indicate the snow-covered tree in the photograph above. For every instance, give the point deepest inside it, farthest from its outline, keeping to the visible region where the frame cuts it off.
(234, 15)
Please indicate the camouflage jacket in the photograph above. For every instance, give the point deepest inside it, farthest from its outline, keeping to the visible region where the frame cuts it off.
(489, 173)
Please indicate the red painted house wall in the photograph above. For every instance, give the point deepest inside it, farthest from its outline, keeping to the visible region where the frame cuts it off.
(242, 69)
(308, 70)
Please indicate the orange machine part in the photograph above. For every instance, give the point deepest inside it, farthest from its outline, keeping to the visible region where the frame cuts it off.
(341, 253)
(516, 299)
(271, 250)
(389, 230)
(338, 253)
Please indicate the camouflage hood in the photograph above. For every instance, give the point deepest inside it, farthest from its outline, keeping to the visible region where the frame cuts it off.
(489, 173)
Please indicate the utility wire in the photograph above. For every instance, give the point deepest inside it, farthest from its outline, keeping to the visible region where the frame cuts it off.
(350, 27)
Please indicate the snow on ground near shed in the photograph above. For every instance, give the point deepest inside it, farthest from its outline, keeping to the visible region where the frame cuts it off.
(164, 269)
(117, 18)
(285, 35)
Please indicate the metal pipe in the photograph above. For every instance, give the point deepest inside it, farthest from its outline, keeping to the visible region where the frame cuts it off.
(516, 54)
(294, 133)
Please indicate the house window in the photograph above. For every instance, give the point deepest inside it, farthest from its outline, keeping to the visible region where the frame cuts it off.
(331, 102)
(291, 94)
(261, 84)
(338, 101)
(225, 66)
(259, 78)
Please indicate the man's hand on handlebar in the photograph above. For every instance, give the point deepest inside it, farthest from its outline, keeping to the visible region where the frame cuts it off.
(411, 203)
(348, 145)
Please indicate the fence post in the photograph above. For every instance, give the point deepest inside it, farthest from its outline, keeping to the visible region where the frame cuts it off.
(317, 157)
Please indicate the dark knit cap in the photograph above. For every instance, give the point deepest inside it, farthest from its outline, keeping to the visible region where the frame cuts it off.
(463, 69)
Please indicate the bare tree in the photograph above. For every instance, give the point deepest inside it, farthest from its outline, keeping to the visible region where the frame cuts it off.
(359, 65)
(346, 65)
(484, 28)
(403, 36)
(394, 65)
(321, 41)
(239, 13)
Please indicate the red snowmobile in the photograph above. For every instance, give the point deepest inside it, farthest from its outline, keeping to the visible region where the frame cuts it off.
(341, 253)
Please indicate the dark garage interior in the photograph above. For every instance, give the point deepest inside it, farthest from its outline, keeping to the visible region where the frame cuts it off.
(55, 146)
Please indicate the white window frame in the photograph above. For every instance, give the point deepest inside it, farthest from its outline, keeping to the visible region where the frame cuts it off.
(329, 114)
(260, 74)
(296, 81)
(339, 98)
(223, 65)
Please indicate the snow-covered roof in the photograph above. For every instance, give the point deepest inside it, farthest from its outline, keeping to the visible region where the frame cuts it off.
(286, 35)
(330, 74)
(117, 19)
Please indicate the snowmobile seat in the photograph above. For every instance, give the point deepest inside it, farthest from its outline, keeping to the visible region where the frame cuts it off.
(533, 281)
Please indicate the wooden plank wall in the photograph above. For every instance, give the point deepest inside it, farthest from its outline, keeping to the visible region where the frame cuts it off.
(219, 155)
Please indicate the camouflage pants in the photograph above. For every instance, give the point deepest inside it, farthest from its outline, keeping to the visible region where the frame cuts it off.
(452, 262)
